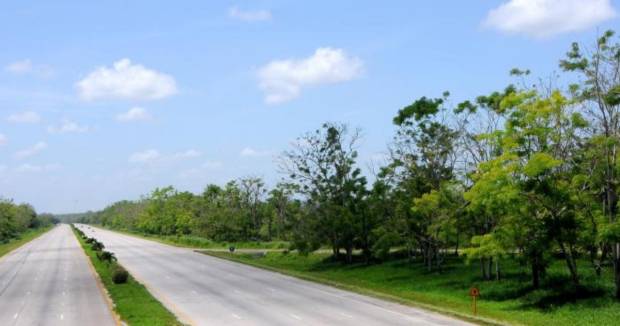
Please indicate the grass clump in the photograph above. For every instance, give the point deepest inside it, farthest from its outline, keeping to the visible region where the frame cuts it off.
(106, 256)
(132, 301)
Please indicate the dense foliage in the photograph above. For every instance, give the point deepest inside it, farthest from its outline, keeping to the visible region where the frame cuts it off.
(18, 218)
(528, 172)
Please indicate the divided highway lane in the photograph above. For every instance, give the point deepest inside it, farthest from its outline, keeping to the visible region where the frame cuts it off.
(48, 282)
(204, 290)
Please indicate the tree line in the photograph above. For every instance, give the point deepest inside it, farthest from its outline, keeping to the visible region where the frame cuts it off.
(18, 218)
(528, 171)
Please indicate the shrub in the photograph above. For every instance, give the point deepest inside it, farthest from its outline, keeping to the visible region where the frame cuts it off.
(89, 240)
(97, 246)
(106, 256)
(120, 275)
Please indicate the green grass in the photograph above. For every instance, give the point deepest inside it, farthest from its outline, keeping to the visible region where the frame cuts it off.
(197, 242)
(22, 239)
(509, 301)
(132, 301)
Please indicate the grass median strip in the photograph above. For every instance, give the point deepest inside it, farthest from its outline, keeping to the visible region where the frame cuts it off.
(132, 301)
(23, 238)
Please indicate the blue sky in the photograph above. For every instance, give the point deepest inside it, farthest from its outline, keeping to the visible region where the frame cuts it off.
(106, 101)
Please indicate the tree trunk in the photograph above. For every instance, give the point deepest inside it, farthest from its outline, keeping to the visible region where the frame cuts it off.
(336, 252)
(429, 257)
(349, 254)
(497, 272)
(616, 253)
(456, 247)
(535, 276)
(570, 263)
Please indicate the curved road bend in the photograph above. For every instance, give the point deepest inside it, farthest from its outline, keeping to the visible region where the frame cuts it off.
(204, 290)
(48, 281)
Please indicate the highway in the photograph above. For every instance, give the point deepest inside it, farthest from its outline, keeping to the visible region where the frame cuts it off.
(204, 290)
(48, 281)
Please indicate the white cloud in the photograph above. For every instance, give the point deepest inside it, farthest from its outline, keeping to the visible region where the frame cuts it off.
(154, 156)
(125, 80)
(283, 80)
(30, 151)
(201, 171)
(134, 114)
(19, 67)
(249, 15)
(24, 117)
(212, 165)
(190, 153)
(29, 168)
(23, 67)
(3, 139)
(545, 18)
(147, 156)
(251, 152)
(67, 126)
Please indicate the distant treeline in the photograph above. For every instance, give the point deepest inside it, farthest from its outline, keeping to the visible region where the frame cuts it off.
(527, 171)
(18, 218)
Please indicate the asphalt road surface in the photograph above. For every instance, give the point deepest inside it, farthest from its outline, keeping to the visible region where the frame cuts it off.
(204, 290)
(48, 281)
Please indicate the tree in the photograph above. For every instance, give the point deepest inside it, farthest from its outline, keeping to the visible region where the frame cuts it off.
(280, 199)
(530, 182)
(599, 93)
(252, 193)
(323, 165)
(422, 161)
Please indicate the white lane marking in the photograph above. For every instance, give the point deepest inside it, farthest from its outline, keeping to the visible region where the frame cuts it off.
(194, 292)
(62, 317)
(346, 315)
(237, 291)
(15, 316)
(236, 316)
(295, 316)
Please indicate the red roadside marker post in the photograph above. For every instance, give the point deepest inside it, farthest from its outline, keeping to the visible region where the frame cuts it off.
(474, 293)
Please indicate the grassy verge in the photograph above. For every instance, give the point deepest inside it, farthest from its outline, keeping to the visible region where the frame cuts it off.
(132, 301)
(23, 238)
(509, 301)
(196, 242)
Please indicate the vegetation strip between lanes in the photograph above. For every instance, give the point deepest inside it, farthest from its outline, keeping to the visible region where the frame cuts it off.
(245, 259)
(24, 238)
(132, 301)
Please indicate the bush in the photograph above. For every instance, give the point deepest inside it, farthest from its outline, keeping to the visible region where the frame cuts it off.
(97, 246)
(120, 275)
(106, 256)
(89, 240)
